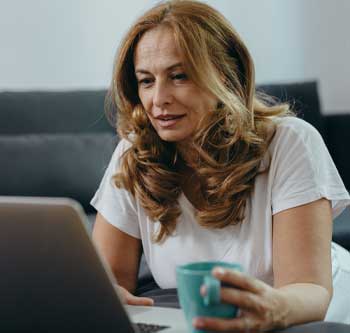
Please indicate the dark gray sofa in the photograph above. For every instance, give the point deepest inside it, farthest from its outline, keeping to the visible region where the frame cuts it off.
(59, 143)
(54, 144)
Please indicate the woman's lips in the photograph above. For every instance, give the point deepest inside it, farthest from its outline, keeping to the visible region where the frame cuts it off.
(169, 121)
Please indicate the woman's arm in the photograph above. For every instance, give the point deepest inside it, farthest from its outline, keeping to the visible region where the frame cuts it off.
(302, 260)
(302, 275)
(122, 252)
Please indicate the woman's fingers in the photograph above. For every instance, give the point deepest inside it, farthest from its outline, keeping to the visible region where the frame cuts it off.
(245, 300)
(130, 299)
(134, 300)
(257, 301)
(239, 280)
(242, 324)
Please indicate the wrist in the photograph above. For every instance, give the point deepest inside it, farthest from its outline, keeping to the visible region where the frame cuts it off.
(303, 302)
(283, 309)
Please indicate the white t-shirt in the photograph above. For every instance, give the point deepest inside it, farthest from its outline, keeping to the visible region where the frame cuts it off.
(301, 171)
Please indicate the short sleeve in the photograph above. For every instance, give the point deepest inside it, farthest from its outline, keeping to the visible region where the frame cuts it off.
(302, 168)
(117, 205)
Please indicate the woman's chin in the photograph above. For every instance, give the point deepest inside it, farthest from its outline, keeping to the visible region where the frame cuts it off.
(172, 136)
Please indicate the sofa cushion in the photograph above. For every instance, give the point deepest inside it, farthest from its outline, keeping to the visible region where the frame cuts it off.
(68, 165)
(52, 112)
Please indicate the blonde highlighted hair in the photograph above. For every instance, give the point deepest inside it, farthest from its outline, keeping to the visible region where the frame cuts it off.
(232, 139)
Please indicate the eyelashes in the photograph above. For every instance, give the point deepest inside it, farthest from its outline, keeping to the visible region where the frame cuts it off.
(148, 81)
(179, 76)
(144, 82)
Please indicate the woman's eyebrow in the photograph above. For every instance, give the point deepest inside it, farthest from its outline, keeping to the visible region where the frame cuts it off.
(171, 67)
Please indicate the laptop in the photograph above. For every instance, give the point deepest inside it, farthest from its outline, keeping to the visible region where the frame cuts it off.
(53, 279)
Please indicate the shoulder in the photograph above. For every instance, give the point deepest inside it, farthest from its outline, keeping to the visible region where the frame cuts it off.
(295, 141)
(122, 146)
(115, 161)
(295, 125)
(292, 131)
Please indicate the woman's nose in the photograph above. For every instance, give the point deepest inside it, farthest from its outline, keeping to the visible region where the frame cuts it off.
(162, 95)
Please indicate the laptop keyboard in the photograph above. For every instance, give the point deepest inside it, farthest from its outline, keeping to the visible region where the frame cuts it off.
(149, 328)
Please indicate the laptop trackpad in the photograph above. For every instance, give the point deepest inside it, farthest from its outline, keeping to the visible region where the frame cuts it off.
(158, 315)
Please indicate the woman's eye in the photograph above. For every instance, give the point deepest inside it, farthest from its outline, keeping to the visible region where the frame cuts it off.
(145, 81)
(180, 77)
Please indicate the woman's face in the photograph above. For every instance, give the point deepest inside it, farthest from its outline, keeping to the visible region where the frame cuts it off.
(173, 103)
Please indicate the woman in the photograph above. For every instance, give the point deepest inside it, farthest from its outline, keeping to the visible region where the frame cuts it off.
(207, 170)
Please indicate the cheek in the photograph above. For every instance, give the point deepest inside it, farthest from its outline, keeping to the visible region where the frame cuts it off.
(210, 102)
(201, 106)
(201, 101)
(145, 100)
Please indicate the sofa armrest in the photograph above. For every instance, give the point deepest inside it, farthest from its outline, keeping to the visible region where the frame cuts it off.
(338, 138)
(341, 229)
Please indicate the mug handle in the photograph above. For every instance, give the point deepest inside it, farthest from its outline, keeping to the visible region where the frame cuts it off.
(212, 285)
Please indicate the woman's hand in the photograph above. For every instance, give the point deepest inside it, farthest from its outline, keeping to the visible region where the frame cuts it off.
(261, 306)
(130, 299)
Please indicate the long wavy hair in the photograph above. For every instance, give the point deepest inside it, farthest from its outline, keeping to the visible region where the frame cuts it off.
(231, 140)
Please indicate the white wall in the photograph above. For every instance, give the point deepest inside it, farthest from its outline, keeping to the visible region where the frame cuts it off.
(70, 44)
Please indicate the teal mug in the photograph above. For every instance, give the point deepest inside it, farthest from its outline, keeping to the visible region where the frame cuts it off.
(190, 278)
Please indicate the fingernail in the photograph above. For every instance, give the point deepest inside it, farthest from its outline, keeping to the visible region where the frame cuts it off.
(148, 301)
(219, 271)
(198, 322)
